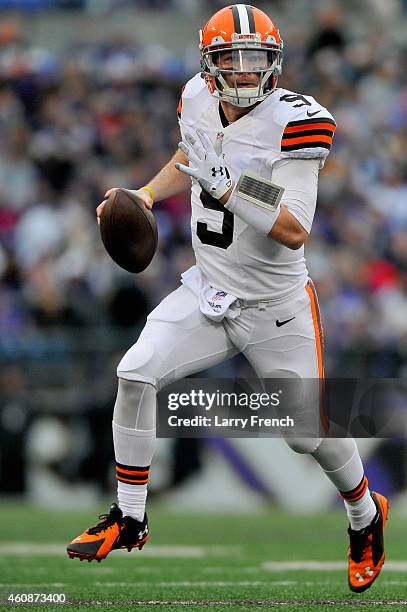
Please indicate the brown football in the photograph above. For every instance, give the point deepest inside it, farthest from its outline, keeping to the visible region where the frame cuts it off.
(129, 231)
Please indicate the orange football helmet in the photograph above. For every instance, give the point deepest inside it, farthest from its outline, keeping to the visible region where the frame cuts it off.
(241, 39)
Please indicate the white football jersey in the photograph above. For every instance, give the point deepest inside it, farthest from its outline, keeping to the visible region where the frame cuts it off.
(231, 254)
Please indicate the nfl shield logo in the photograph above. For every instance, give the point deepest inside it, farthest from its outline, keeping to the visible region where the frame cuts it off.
(219, 295)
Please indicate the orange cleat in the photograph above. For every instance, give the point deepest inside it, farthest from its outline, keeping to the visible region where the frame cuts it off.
(114, 531)
(366, 548)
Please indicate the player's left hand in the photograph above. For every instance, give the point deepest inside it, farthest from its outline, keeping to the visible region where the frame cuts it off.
(205, 165)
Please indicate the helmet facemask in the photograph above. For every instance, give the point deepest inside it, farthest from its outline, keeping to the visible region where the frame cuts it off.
(223, 63)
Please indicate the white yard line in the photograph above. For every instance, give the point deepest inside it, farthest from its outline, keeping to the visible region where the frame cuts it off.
(56, 550)
(324, 566)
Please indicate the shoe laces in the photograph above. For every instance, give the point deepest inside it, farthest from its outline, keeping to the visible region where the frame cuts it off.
(106, 521)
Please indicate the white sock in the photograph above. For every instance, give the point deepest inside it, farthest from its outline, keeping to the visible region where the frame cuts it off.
(361, 512)
(134, 429)
(341, 462)
(132, 501)
(134, 450)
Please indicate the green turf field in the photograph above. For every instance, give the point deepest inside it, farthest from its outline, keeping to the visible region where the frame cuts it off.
(196, 562)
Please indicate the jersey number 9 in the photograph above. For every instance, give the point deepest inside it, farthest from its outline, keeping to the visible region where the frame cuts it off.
(222, 239)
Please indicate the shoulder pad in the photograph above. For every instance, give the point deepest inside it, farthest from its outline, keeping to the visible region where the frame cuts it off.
(308, 127)
(192, 101)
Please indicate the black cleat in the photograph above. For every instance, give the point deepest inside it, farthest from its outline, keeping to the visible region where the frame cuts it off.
(366, 548)
(114, 531)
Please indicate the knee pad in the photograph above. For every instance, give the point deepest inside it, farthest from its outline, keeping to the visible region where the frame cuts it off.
(303, 446)
(135, 406)
(139, 363)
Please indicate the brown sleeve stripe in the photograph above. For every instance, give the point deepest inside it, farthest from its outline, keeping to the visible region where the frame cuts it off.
(306, 142)
(356, 493)
(306, 134)
(311, 122)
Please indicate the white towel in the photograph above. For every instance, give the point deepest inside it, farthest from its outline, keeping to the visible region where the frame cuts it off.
(215, 304)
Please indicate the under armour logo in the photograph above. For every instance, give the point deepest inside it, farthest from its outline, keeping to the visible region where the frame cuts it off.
(143, 533)
(367, 574)
(219, 171)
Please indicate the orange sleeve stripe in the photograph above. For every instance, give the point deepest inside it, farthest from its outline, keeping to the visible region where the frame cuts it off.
(132, 472)
(305, 139)
(309, 126)
(135, 482)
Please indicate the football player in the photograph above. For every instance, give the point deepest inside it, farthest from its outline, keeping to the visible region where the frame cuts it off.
(252, 151)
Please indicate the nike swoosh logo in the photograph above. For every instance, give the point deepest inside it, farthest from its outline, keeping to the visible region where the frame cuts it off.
(280, 323)
(312, 114)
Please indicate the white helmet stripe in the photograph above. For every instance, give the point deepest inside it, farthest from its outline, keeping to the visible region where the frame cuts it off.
(244, 18)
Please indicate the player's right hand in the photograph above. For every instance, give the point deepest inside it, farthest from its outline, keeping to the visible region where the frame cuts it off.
(206, 164)
(141, 193)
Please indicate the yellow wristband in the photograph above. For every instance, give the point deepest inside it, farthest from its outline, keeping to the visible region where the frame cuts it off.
(150, 191)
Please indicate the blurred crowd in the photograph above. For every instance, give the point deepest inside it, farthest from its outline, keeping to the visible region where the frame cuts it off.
(104, 114)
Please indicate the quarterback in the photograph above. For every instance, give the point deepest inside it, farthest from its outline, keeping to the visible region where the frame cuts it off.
(252, 152)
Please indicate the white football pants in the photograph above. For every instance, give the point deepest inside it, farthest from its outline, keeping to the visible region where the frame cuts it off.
(283, 341)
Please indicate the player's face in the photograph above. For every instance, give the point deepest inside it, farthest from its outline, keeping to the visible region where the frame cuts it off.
(244, 65)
